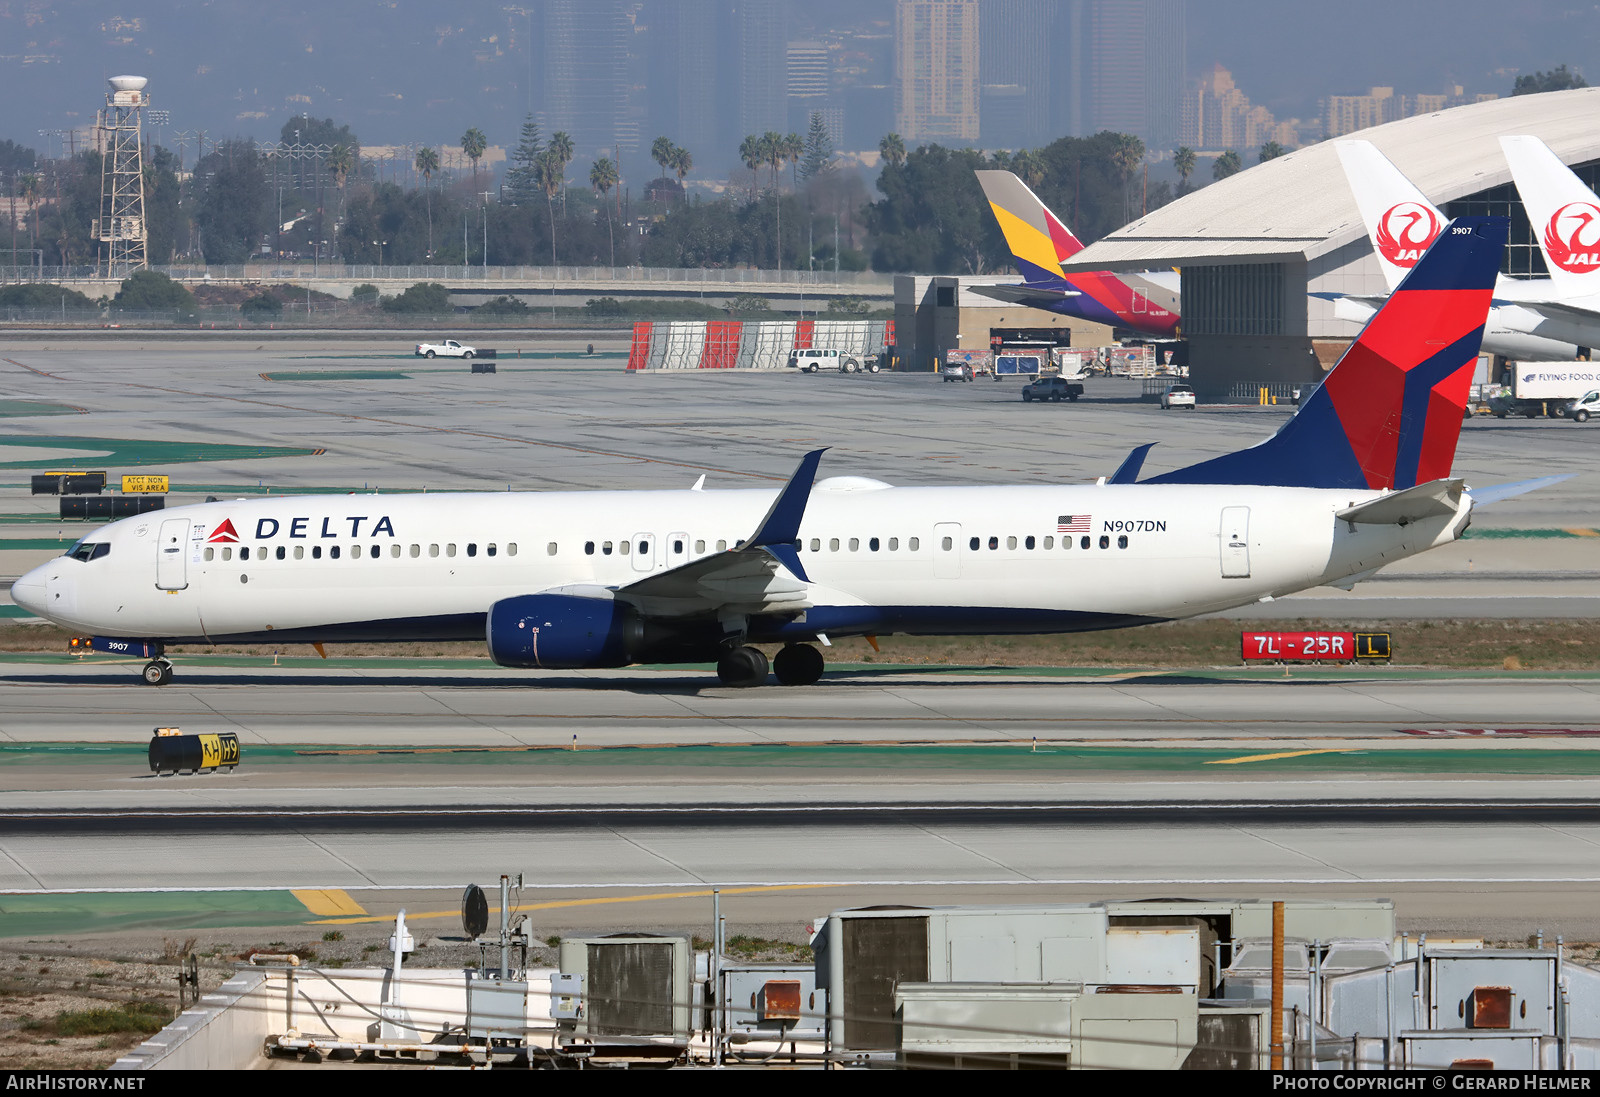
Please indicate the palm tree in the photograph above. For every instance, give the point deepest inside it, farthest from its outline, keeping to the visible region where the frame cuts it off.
(661, 153)
(602, 177)
(341, 161)
(547, 172)
(474, 144)
(892, 149)
(681, 163)
(1225, 165)
(1183, 159)
(427, 163)
(561, 149)
(1027, 166)
(1271, 150)
(752, 156)
(32, 192)
(794, 147)
(772, 153)
(1125, 157)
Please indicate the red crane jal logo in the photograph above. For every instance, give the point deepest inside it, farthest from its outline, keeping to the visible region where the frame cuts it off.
(1404, 233)
(1572, 238)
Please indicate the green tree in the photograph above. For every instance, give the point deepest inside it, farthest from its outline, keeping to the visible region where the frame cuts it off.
(933, 216)
(150, 291)
(661, 153)
(681, 162)
(474, 144)
(1127, 151)
(818, 154)
(501, 306)
(1270, 150)
(16, 158)
(1027, 166)
(302, 129)
(235, 207)
(42, 295)
(893, 149)
(602, 177)
(561, 149)
(31, 188)
(752, 156)
(428, 298)
(794, 147)
(1225, 165)
(1559, 78)
(1183, 161)
(520, 185)
(427, 164)
(262, 307)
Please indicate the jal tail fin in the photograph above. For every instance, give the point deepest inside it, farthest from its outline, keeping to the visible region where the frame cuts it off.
(1389, 414)
(1564, 213)
(1039, 242)
(1400, 220)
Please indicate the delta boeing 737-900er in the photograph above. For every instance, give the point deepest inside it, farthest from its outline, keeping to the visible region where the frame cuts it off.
(1358, 478)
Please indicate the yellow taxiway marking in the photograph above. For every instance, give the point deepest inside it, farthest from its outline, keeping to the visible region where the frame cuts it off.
(557, 903)
(1582, 532)
(331, 901)
(1269, 757)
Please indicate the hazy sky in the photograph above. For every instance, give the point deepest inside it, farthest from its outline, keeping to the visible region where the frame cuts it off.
(411, 70)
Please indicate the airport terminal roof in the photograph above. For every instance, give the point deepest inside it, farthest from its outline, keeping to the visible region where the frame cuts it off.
(1299, 205)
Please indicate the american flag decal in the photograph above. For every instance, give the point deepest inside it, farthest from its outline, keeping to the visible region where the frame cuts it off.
(1073, 523)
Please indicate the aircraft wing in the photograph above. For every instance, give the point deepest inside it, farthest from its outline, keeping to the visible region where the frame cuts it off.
(1021, 293)
(1556, 311)
(762, 574)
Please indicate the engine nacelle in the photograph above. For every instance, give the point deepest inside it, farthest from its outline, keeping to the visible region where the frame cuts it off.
(563, 632)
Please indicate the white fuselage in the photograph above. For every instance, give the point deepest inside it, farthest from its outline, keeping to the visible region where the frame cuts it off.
(878, 559)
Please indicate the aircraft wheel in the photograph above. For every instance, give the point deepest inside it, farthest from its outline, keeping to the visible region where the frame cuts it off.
(742, 667)
(157, 672)
(798, 665)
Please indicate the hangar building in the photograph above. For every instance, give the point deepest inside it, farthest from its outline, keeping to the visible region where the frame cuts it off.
(1253, 247)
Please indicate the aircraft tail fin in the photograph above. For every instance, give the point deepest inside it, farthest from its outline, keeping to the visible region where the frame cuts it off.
(1564, 213)
(1038, 240)
(1389, 414)
(1400, 220)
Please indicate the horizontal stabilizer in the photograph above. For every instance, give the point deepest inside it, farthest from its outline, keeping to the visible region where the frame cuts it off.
(1434, 499)
(1482, 497)
(1023, 294)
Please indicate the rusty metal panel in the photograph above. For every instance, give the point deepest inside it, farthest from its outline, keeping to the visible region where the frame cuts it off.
(779, 1000)
(1489, 1007)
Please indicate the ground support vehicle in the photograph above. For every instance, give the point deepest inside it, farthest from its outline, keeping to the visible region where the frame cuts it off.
(447, 349)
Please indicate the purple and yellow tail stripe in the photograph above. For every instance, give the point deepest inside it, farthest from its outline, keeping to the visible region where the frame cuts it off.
(1389, 415)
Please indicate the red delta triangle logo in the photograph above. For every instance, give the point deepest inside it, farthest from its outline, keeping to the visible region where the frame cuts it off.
(224, 532)
(1572, 238)
(1404, 233)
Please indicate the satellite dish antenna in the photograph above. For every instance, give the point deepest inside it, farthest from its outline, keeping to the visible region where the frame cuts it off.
(474, 911)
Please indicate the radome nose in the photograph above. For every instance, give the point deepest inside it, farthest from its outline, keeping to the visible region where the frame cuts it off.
(29, 592)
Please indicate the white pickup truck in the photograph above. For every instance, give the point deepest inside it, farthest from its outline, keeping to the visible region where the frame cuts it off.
(447, 349)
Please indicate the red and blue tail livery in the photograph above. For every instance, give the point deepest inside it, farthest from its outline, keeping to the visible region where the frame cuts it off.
(1389, 414)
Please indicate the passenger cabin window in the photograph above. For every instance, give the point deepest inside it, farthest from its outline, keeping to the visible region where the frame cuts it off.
(300, 552)
(1049, 542)
(472, 548)
(316, 552)
(873, 544)
(973, 544)
(450, 549)
(1011, 542)
(948, 543)
(511, 549)
(677, 548)
(722, 546)
(994, 543)
(644, 548)
(1122, 542)
(227, 554)
(394, 552)
(549, 550)
(913, 543)
(433, 550)
(333, 552)
(588, 548)
(416, 551)
(282, 553)
(623, 548)
(211, 554)
(355, 552)
(855, 544)
(605, 548)
(700, 547)
(1105, 542)
(1028, 543)
(1085, 542)
(491, 550)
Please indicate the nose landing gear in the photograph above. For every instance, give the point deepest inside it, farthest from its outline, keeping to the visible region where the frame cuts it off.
(157, 672)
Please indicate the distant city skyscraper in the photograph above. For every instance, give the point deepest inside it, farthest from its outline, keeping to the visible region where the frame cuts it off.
(1136, 74)
(1015, 71)
(763, 89)
(586, 79)
(692, 85)
(936, 70)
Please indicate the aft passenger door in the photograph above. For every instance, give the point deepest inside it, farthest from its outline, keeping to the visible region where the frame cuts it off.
(1235, 542)
(171, 572)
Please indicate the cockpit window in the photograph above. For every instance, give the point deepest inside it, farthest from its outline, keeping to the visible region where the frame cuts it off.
(89, 550)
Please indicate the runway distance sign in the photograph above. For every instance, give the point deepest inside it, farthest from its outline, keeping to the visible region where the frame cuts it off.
(1313, 647)
(140, 485)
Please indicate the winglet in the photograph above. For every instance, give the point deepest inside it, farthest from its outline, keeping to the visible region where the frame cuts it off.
(780, 527)
(1128, 471)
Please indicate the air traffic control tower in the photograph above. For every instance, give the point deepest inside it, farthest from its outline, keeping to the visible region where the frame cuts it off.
(120, 228)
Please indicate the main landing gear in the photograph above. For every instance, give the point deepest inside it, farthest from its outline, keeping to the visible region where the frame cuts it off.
(157, 672)
(745, 666)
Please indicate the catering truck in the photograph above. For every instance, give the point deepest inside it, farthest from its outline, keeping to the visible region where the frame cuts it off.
(1543, 388)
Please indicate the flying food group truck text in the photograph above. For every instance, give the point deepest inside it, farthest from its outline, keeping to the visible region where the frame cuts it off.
(1544, 388)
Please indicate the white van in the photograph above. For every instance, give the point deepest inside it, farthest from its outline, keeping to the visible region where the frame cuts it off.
(810, 361)
(1584, 406)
